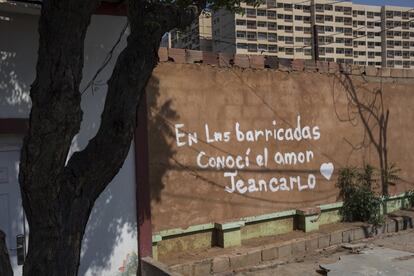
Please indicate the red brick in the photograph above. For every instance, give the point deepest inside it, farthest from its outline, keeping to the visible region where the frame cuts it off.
(298, 65)
(226, 60)
(271, 62)
(193, 56)
(322, 66)
(210, 58)
(163, 54)
(177, 55)
(333, 67)
(242, 61)
(257, 62)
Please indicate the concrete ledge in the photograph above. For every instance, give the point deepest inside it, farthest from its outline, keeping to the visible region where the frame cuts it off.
(232, 233)
(308, 218)
(229, 234)
(286, 250)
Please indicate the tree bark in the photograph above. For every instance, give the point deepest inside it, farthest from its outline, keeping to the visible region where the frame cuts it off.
(58, 197)
(50, 197)
(5, 266)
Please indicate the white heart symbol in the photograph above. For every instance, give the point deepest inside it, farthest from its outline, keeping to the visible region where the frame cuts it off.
(327, 170)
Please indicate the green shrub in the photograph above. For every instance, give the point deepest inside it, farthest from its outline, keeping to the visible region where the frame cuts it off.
(360, 201)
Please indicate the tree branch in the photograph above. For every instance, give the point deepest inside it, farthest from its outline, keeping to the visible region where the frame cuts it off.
(55, 115)
(134, 66)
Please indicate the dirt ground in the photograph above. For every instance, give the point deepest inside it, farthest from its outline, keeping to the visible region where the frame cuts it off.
(310, 264)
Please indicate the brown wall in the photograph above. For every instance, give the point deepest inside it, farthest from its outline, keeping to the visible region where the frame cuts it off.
(184, 194)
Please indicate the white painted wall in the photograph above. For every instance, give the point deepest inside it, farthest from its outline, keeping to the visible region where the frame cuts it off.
(111, 231)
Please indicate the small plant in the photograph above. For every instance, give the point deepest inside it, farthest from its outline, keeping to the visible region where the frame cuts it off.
(360, 201)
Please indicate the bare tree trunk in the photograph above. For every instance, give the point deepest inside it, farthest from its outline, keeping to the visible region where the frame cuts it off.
(5, 266)
(58, 197)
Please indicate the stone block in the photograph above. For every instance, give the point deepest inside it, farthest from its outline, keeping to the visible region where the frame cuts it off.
(183, 269)
(226, 59)
(358, 234)
(397, 73)
(193, 56)
(307, 211)
(298, 65)
(245, 259)
(308, 218)
(324, 241)
(241, 60)
(336, 238)
(163, 54)
(270, 253)
(347, 236)
(210, 58)
(391, 226)
(345, 68)
(357, 70)
(285, 250)
(271, 62)
(323, 66)
(333, 67)
(399, 223)
(371, 71)
(155, 240)
(385, 72)
(177, 55)
(312, 244)
(298, 247)
(310, 65)
(202, 268)
(228, 233)
(257, 62)
(220, 264)
(410, 73)
(285, 64)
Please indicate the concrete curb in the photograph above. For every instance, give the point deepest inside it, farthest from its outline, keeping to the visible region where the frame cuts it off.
(286, 250)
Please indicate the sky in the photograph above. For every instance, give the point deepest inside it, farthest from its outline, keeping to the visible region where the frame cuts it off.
(404, 3)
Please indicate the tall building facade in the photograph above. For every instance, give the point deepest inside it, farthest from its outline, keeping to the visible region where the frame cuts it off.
(196, 37)
(341, 31)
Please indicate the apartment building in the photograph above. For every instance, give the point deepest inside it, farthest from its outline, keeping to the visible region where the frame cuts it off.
(398, 37)
(346, 32)
(197, 37)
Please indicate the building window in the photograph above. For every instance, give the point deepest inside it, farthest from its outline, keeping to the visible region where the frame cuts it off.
(262, 47)
(272, 48)
(241, 46)
(251, 36)
(251, 13)
(252, 47)
(271, 14)
(240, 22)
(241, 34)
(262, 36)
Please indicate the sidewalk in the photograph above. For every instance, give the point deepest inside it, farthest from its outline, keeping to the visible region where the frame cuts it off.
(311, 264)
(284, 248)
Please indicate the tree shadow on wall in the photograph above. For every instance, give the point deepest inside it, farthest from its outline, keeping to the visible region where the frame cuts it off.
(160, 130)
(16, 68)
